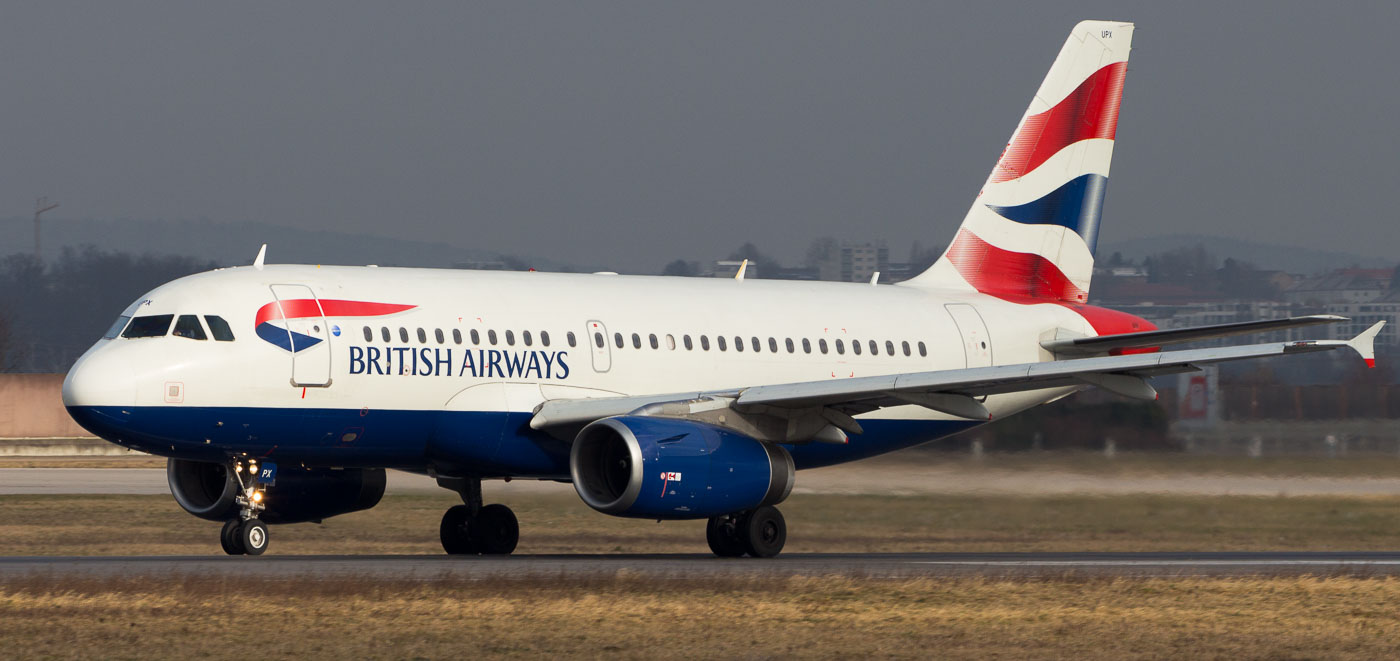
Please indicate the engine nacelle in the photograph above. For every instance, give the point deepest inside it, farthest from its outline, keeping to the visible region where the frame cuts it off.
(663, 468)
(208, 491)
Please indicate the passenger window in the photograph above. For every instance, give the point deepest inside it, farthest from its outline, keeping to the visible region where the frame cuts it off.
(906, 347)
(570, 337)
(705, 342)
(636, 341)
(670, 342)
(544, 338)
(923, 350)
(757, 346)
(855, 347)
(403, 334)
(790, 348)
(476, 337)
(491, 337)
(821, 344)
(806, 345)
(889, 347)
(510, 338)
(116, 328)
(188, 326)
(525, 336)
(219, 328)
(597, 339)
(437, 335)
(422, 337)
(151, 326)
(369, 334)
(874, 348)
(652, 338)
(456, 336)
(719, 341)
(617, 339)
(840, 347)
(738, 343)
(384, 333)
(688, 345)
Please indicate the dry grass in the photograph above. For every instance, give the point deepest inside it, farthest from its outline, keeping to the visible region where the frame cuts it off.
(629, 617)
(407, 524)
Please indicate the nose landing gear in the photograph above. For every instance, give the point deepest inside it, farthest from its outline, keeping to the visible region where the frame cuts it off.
(247, 535)
(473, 528)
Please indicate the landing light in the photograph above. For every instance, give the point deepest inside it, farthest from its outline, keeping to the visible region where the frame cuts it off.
(257, 496)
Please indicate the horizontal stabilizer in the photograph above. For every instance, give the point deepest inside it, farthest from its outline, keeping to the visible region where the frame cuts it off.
(1156, 338)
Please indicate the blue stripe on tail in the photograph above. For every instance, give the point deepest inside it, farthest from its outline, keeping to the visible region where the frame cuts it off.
(1076, 205)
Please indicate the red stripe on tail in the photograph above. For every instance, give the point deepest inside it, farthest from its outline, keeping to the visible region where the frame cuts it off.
(1010, 275)
(1090, 111)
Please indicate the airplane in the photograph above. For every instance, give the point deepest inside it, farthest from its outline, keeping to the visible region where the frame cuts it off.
(282, 393)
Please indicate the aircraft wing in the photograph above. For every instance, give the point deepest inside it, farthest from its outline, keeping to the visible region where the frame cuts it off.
(950, 391)
(1163, 337)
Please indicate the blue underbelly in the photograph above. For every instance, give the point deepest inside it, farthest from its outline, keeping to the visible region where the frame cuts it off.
(484, 443)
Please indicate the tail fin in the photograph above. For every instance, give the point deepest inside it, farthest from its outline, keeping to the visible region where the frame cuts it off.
(1032, 231)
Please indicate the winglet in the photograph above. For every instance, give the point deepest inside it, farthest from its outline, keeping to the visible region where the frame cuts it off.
(262, 254)
(1364, 343)
(742, 267)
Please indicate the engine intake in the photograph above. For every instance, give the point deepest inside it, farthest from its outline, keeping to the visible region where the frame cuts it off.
(663, 468)
(208, 491)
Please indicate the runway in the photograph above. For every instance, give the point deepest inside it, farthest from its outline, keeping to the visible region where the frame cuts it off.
(686, 566)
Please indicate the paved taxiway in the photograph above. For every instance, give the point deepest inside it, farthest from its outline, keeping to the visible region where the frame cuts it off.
(874, 565)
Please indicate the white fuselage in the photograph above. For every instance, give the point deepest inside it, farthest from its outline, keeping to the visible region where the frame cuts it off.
(484, 365)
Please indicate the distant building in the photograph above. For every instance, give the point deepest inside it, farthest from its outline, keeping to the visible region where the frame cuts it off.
(854, 262)
(1342, 286)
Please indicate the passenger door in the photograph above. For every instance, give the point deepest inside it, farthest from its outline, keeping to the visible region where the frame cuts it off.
(308, 334)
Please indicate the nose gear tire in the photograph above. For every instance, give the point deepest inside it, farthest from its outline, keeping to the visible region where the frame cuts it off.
(252, 536)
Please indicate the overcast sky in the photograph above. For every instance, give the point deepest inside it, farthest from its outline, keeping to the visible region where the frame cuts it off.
(630, 134)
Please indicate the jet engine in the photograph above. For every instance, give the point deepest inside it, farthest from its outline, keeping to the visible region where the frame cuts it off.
(664, 468)
(208, 490)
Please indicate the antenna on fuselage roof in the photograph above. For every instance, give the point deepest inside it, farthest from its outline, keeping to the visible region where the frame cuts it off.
(742, 267)
(262, 254)
(875, 278)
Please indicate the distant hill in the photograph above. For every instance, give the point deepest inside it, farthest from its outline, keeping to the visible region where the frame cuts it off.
(237, 243)
(1292, 259)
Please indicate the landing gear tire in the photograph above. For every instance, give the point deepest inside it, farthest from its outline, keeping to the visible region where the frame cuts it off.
(229, 539)
(455, 531)
(764, 531)
(252, 536)
(495, 530)
(723, 535)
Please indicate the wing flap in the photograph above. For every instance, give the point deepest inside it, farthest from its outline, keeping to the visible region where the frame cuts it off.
(1167, 336)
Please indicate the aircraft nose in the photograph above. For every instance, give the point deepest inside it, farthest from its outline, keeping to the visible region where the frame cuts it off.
(96, 380)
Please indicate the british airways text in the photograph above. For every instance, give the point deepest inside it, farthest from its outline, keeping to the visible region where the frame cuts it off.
(481, 363)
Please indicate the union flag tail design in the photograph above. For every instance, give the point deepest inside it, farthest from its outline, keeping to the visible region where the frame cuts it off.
(1032, 231)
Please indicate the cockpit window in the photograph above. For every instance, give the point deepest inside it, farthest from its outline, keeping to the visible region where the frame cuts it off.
(219, 327)
(116, 328)
(152, 326)
(188, 326)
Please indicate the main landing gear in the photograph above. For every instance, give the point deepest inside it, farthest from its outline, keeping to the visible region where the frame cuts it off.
(758, 533)
(472, 528)
(246, 535)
